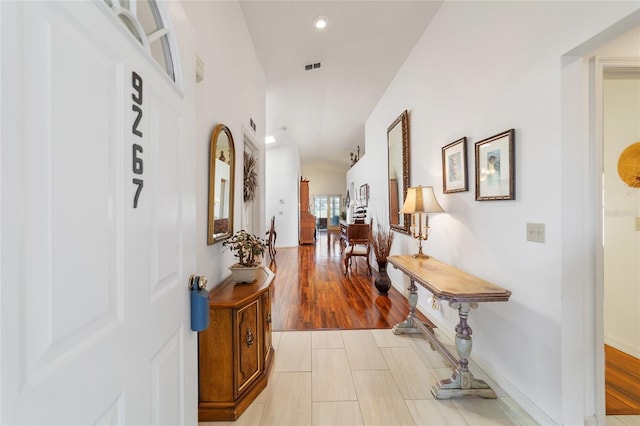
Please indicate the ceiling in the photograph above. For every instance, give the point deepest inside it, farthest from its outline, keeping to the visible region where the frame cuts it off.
(323, 111)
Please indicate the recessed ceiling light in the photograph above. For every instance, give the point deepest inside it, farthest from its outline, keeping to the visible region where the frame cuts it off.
(269, 139)
(320, 22)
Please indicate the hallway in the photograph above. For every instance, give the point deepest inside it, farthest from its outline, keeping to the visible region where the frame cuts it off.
(310, 291)
(342, 365)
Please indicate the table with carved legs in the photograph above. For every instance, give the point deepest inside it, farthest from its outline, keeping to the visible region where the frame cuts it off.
(463, 291)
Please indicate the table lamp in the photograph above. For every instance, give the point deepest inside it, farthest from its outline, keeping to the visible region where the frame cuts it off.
(420, 201)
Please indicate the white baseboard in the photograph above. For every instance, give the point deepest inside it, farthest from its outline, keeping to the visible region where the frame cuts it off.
(622, 346)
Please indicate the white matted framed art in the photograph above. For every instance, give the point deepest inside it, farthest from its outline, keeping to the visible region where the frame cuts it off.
(495, 167)
(454, 167)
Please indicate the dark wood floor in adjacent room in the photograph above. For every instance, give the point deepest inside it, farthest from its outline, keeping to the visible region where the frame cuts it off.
(310, 291)
(622, 377)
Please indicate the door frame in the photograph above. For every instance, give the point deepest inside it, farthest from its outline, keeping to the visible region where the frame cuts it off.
(258, 224)
(599, 66)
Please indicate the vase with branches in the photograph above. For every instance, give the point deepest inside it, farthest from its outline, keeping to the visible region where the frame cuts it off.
(381, 242)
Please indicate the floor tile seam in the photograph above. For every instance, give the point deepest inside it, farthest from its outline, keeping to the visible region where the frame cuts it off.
(512, 415)
(334, 400)
(411, 413)
(293, 372)
(356, 401)
(312, 372)
(370, 332)
(397, 397)
(508, 414)
(397, 379)
(466, 422)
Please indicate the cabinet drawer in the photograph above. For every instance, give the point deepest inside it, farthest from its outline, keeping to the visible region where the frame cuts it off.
(250, 339)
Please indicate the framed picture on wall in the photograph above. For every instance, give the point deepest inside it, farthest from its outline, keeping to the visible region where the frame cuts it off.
(364, 195)
(495, 167)
(454, 167)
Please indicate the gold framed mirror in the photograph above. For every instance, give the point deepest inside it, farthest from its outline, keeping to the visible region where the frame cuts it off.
(398, 171)
(221, 184)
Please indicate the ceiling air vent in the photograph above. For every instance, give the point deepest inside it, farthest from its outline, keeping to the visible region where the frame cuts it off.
(314, 66)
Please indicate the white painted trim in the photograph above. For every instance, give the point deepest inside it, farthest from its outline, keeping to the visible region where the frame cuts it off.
(521, 399)
(178, 84)
(250, 144)
(599, 65)
(622, 346)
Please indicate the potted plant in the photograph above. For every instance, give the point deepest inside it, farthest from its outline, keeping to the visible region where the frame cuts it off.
(381, 242)
(248, 249)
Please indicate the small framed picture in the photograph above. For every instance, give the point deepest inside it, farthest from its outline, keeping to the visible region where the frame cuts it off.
(364, 195)
(454, 167)
(495, 167)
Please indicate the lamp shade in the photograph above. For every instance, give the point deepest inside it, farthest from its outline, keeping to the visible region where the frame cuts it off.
(421, 200)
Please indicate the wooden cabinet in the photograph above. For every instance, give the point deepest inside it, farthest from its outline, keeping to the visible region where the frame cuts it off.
(304, 195)
(235, 352)
(307, 220)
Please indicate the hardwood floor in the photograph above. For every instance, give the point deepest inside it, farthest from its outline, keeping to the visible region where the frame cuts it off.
(310, 291)
(622, 378)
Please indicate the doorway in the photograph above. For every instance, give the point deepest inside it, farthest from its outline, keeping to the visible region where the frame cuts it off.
(620, 105)
(251, 217)
(327, 212)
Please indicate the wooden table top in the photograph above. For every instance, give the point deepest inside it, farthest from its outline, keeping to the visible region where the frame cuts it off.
(230, 294)
(447, 282)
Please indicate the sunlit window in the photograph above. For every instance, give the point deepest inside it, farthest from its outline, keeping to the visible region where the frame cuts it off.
(150, 27)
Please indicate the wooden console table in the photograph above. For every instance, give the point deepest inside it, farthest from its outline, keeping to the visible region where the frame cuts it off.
(464, 292)
(235, 352)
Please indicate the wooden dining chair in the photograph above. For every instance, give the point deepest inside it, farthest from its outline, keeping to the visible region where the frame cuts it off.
(356, 243)
(271, 239)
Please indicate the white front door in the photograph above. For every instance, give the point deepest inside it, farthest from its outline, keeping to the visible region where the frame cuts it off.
(94, 300)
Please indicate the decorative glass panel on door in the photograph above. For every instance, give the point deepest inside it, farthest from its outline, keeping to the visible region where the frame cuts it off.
(320, 211)
(334, 211)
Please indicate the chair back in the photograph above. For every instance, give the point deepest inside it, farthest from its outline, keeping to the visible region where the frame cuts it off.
(359, 232)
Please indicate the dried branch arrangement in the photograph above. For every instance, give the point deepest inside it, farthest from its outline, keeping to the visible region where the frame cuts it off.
(250, 177)
(381, 242)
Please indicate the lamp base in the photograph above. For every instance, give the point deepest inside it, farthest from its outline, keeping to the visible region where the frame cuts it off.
(420, 256)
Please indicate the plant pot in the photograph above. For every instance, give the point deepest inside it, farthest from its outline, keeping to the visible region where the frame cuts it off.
(382, 280)
(243, 274)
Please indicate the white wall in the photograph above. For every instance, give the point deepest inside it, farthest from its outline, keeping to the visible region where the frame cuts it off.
(622, 206)
(325, 179)
(283, 189)
(479, 69)
(360, 174)
(233, 90)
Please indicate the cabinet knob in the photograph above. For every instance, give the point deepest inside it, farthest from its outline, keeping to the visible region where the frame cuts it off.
(269, 318)
(249, 337)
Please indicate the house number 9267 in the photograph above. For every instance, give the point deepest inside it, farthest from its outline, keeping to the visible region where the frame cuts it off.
(136, 152)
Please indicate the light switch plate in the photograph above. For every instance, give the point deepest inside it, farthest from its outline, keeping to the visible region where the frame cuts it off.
(535, 232)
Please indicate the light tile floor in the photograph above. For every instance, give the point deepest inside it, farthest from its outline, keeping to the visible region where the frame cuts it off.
(366, 377)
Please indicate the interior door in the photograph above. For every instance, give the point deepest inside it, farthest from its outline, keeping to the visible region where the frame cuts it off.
(94, 320)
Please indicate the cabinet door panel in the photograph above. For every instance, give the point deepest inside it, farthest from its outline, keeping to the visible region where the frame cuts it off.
(250, 339)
